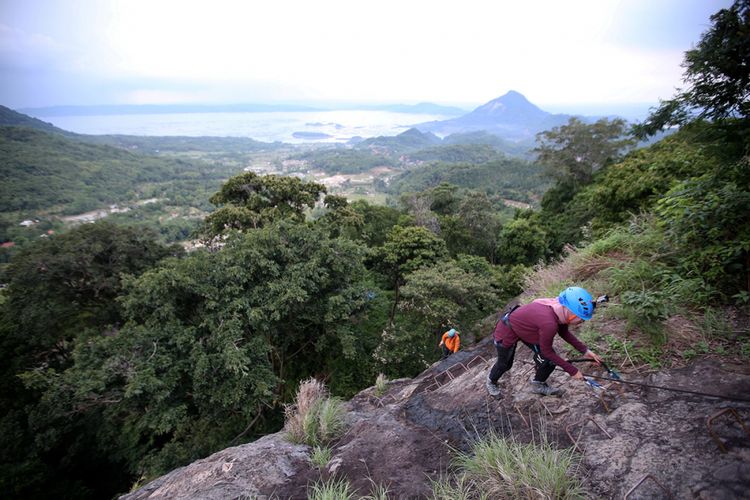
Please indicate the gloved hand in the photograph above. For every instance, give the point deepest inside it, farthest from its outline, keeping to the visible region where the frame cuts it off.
(594, 356)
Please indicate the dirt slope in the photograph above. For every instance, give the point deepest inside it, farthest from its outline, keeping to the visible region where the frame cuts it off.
(408, 436)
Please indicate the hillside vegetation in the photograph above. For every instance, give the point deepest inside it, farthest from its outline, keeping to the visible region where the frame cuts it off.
(126, 359)
(46, 171)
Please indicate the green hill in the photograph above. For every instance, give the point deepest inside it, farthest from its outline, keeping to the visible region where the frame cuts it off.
(508, 177)
(10, 117)
(469, 153)
(405, 141)
(43, 171)
(182, 144)
(344, 161)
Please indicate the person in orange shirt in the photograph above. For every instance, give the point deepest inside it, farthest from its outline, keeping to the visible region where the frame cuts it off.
(450, 342)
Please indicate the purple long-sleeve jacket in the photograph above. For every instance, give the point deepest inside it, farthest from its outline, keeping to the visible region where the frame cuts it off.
(537, 323)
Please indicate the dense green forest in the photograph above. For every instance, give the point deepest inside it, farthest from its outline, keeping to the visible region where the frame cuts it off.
(49, 176)
(126, 357)
(344, 160)
(508, 178)
(45, 171)
(177, 144)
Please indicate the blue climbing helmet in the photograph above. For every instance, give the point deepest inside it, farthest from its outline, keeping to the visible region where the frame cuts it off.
(451, 332)
(579, 301)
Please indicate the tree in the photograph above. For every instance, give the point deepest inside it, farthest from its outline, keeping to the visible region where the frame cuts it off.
(644, 176)
(572, 153)
(717, 75)
(478, 216)
(433, 297)
(62, 292)
(406, 250)
(521, 242)
(377, 222)
(444, 198)
(214, 345)
(706, 218)
(418, 206)
(67, 284)
(446, 295)
(340, 218)
(251, 201)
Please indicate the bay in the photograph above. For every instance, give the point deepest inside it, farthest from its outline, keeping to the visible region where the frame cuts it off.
(317, 126)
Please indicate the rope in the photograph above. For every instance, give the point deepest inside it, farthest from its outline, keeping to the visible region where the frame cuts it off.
(640, 384)
(696, 393)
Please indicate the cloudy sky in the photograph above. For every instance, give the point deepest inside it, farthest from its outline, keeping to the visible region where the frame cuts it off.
(557, 53)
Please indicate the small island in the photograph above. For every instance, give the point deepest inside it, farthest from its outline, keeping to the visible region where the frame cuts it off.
(311, 135)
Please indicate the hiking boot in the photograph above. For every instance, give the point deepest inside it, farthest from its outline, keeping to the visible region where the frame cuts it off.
(544, 389)
(493, 388)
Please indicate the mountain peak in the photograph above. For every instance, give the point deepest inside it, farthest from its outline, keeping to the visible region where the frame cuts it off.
(512, 94)
(512, 104)
(510, 116)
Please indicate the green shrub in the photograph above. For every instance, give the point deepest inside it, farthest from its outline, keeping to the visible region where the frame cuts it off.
(639, 236)
(706, 219)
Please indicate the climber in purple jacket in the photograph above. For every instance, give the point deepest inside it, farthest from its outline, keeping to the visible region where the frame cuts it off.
(536, 325)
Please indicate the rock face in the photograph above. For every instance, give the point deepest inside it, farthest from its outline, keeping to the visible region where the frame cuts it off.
(270, 465)
(651, 441)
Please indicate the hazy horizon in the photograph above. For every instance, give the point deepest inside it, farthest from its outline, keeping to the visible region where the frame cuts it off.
(629, 111)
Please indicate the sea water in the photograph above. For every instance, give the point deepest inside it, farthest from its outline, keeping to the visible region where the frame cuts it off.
(309, 126)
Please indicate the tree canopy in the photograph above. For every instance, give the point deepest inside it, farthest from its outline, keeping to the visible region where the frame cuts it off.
(250, 201)
(716, 76)
(573, 153)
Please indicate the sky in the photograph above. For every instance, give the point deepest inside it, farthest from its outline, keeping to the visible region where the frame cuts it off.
(561, 54)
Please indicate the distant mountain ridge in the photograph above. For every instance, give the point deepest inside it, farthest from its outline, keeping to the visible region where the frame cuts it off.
(511, 117)
(144, 109)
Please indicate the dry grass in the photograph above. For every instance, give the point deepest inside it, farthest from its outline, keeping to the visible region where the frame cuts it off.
(546, 281)
(682, 332)
(315, 418)
(381, 384)
(308, 394)
(574, 268)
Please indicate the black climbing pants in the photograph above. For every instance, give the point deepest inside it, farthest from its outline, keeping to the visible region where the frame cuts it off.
(446, 352)
(544, 367)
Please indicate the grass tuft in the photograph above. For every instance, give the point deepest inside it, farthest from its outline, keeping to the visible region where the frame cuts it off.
(320, 456)
(504, 468)
(377, 492)
(315, 418)
(331, 489)
(381, 384)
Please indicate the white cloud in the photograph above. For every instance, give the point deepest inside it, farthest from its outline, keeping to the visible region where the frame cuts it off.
(389, 50)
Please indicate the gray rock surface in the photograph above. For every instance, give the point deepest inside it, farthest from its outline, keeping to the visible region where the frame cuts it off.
(651, 441)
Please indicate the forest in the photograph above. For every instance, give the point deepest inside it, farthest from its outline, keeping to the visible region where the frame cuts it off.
(126, 356)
